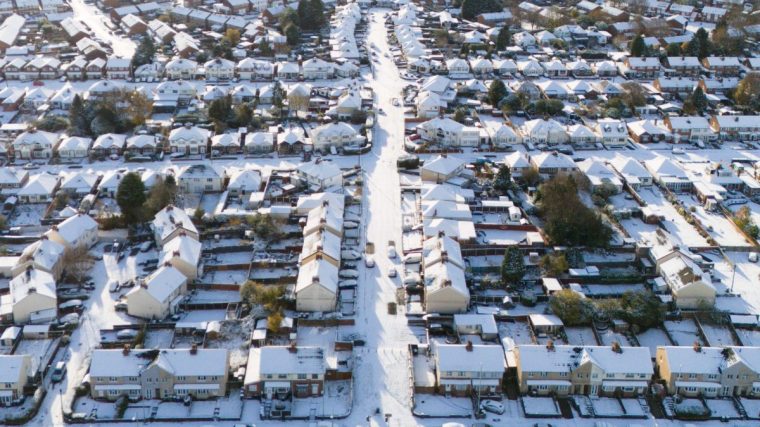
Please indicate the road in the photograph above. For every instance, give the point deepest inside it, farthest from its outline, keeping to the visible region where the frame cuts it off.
(94, 18)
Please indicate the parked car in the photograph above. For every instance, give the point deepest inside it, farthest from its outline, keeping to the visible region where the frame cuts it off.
(369, 262)
(113, 286)
(391, 252)
(392, 272)
(492, 406)
(59, 372)
(348, 274)
(71, 319)
(350, 255)
(120, 306)
(126, 334)
(145, 247)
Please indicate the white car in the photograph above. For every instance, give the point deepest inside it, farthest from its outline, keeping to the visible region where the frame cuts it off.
(391, 252)
(392, 272)
(492, 406)
(369, 262)
(113, 286)
(350, 255)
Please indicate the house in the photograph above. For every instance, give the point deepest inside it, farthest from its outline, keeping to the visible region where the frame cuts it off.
(327, 216)
(317, 69)
(39, 189)
(600, 176)
(691, 287)
(611, 132)
(181, 68)
(16, 370)
(170, 222)
(118, 68)
(219, 69)
(633, 173)
(34, 144)
(78, 231)
(243, 182)
(686, 66)
(551, 163)
(141, 145)
(643, 68)
(675, 86)
(689, 128)
(445, 131)
(317, 285)
(225, 143)
(200, 373)
(736, 128)
(183, 252)
(668, 174)
(441, 169)
(445, 289)
(692, 371)
(13, 178)
(78, 184)
(10, 29)
(591, 370)
(320, 175)
(337, 135)
(722, 66)
(157, 295)
(649, 131)
(73, 147)
(43, 255)
(504, 135)
(188, 139)
(540, 131)
(580, 135)
(108, 145)
(133, 25)
(259, 143)
(95, 68)
(465, 369)
(199, 178)
(32, 298)
(518, 163)
(285, 371)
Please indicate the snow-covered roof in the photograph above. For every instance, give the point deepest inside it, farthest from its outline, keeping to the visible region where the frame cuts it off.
(162, 284)
(185, 362)
(181, 246)
(444, 165)
(469, 358)
(318, 272)
(43, 253)
(276, 360)
(171, 218)
(73, 228)
(485, 322)
(441, 248)
(12, 368)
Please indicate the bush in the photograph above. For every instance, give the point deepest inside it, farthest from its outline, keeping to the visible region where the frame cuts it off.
(121, 406)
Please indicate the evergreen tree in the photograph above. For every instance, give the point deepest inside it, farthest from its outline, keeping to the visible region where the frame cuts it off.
(502, 40)
(638, 47)
(512, 266)
(496, 92)
(472, 8)
(144, 52)
(503, 180)
(292, 34)
(78, 123)
(130, 197)
(699, 100)
(699, 45)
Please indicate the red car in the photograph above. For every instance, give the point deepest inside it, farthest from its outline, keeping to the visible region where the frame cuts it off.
(38, 83)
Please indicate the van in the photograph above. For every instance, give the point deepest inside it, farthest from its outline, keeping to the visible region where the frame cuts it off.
(58, 372)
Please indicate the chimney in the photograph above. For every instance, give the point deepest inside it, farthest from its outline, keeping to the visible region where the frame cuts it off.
(194, 349)
(167, 264)
(697, 347)
(550, 345)
(175, 253)
(125, 350)
(616, 347)
(441, 233)
(468, 346)
(293, 349)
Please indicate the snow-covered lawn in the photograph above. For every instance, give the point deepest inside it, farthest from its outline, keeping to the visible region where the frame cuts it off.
(751, 407)
(716, 224)
(229, 408)
(518, 331)
(579, 335)
(336, 401)
(609, 336)
(158, 338)
(681, 231)
(607, 407)
(722, 408)
(653, 338)
(717, 335)
(434, 405)
(633, 407)
(683, 332)
(540, 406)
(25, 215)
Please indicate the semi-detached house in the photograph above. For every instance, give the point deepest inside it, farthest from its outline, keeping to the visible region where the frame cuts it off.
(284, 371)
(159, 374)
(736, 128)
(592, 370)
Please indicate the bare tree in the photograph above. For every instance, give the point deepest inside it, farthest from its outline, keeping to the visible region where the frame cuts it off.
(77, 263)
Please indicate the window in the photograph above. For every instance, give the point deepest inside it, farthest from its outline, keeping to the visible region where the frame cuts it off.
(301, 376)
(282, 376)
